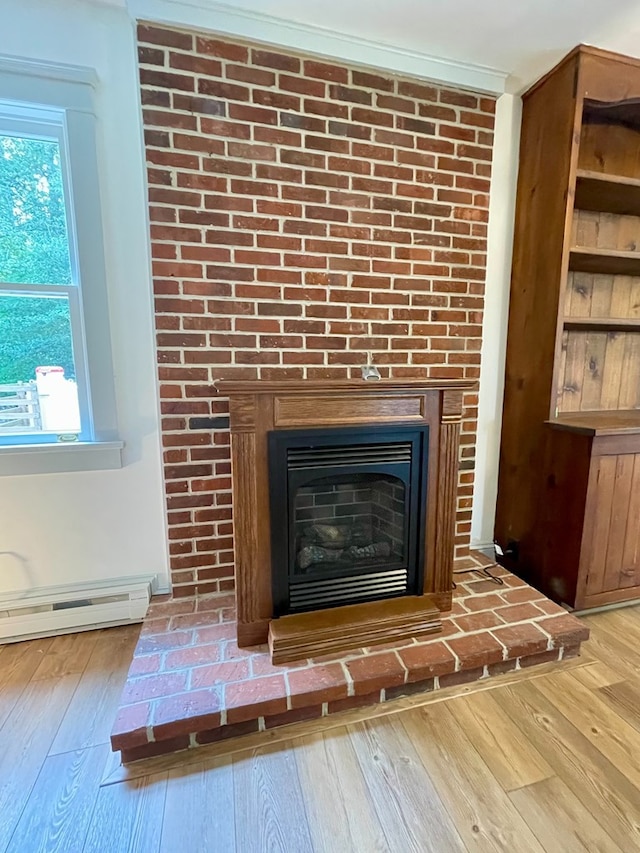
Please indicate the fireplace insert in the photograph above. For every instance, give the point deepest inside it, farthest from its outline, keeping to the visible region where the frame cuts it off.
(347, 515)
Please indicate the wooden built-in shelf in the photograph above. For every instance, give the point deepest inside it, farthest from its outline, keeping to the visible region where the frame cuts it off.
(611, 261)
(604, 324)
(621, 421)
(607, 193)
(569, 486)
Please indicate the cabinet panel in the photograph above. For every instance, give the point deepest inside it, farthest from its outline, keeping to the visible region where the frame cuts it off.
(602, 296)
(610, 150)
(612, 546)
(599, 370)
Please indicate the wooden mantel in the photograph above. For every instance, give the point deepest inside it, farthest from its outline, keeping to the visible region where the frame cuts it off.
(258, 407)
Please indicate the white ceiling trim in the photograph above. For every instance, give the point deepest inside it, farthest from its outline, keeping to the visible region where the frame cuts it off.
(302, 38)
(49, 70)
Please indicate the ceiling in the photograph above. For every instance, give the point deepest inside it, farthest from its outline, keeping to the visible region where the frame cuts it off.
(521, 37)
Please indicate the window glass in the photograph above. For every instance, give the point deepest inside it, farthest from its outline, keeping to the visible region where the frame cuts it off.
(41, 395)
(34, 243)
(38, 389)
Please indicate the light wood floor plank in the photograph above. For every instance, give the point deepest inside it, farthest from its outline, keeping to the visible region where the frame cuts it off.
(332, 784)
(597, 675)
(211, 823)
(68, 654)
(625, 622)
(128, 817)
(610, 647)
(596, 782)
(513, 761)
(405, 800)
(97, 695)
(608, 732)
(26, 737)
(269, 809)
(559, 819)
(57, 814)
(481, 810)
(18, 662)
(624, 699)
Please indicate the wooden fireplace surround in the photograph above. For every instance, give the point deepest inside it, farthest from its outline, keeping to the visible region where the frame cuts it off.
(257, 407)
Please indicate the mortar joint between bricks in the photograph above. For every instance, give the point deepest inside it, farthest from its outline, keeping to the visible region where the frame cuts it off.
(288, 689)
(551, 641)
(505, 648)
(350, 686)
(458, 663)
(402, 664)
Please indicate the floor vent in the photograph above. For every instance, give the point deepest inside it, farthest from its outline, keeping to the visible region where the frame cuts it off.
(61, 610)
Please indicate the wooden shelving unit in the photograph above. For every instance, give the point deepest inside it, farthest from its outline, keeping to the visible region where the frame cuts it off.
(569, 486)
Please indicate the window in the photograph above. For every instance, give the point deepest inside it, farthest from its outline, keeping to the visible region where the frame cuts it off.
(56, 379)
(43, 381)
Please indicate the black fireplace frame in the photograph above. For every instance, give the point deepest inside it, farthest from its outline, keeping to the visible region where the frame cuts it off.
(281, 499)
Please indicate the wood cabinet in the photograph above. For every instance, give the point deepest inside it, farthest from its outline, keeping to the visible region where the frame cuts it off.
(569, 484)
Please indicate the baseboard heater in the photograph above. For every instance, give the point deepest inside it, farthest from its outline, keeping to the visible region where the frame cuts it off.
(64, 609)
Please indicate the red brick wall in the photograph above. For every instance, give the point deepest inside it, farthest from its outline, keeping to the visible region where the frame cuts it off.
(303, 213)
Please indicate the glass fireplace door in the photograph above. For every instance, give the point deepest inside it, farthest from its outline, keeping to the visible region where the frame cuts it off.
(347, 516)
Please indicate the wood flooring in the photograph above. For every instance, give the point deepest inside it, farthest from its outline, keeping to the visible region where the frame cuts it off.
(546, 759)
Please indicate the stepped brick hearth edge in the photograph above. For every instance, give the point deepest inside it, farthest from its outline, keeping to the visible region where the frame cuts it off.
(189, 683)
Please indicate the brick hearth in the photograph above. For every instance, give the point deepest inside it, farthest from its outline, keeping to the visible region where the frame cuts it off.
(190, 684)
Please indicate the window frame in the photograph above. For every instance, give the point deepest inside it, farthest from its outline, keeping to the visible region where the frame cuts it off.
(31, 122)
(40, 94)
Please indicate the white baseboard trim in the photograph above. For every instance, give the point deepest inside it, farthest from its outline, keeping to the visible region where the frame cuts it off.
(45, 612)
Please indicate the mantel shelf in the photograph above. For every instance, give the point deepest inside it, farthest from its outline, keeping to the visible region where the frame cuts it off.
(611, 261)
(605, 324)
(607, 193)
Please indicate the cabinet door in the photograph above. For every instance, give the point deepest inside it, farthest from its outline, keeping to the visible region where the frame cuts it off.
(611, 545)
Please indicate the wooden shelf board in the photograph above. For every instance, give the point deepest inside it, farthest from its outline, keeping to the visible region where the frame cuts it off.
(618, 422)
(605, 324)
(612, 261)
(608, 193)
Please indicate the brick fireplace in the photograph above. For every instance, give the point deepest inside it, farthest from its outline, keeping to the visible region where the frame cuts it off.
(308, 217)
(304, 214)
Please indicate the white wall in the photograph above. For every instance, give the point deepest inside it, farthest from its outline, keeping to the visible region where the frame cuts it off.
(92, 526)
(499, 250)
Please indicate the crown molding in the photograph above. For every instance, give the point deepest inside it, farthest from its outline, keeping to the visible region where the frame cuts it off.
(302, 38)
(48, 70)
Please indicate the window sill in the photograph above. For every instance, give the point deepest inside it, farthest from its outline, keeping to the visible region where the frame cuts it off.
(16, 459)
